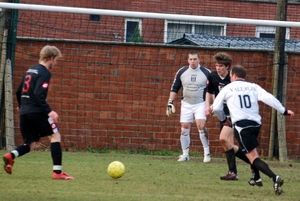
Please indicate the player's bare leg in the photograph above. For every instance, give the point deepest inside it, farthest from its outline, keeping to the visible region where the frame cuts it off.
(226, 139)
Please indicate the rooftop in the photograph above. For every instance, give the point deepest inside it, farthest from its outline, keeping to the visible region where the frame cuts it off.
(245, 43)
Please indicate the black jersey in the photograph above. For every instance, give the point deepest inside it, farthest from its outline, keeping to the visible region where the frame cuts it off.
(215, 83)
(32, 91)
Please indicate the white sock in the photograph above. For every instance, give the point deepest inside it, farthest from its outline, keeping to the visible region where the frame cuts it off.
(185, 141)
(16, 153)
(57, 167)
(203, 134)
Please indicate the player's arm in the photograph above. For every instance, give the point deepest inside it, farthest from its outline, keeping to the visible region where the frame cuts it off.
(172, 95)
(273, 102)
(176, 85)
(209, 98)
(18, 93)
(40, 93)
(218, 106)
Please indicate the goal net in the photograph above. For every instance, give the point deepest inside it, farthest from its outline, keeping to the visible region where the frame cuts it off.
(112, 85)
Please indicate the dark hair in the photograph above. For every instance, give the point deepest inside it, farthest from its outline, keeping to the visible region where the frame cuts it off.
(223, 58)
(239, 71)
(193, 52)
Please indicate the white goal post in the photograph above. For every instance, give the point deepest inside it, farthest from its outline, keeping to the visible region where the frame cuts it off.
(149, 15)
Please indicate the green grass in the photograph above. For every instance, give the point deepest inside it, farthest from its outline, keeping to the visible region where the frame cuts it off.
(147, 178)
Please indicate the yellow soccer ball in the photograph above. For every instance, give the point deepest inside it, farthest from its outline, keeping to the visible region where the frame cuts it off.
(116, 169)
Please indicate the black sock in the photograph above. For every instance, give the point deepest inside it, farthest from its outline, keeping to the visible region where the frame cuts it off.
(231, 160)
(241, 155)
(56, 155)
(264, 168)
(22, 150)
(255, 173)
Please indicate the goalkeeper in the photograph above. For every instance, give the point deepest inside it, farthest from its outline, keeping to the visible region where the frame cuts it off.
(192, 79)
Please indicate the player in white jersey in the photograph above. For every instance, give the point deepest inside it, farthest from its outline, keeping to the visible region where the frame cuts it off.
(242, 100)
(193, 80)
(217, 80)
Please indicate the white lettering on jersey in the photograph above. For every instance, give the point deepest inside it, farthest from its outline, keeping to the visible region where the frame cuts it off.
(242, 88)
(32, 71)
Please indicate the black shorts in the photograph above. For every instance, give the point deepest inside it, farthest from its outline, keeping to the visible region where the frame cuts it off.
(226, 110)
(246, 132)
(33, 126)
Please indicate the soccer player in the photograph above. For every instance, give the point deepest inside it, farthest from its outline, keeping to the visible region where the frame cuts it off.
(37, 119)
(217, 80)
(193, 80)
(242, 100)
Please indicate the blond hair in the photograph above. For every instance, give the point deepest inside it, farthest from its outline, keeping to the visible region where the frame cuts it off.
(48, 51)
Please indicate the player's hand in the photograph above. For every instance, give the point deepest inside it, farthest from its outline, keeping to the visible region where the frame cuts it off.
(208, 111)
(170, 108)
(290, 113)
(18, 109)
(54, 116)
(227, 122)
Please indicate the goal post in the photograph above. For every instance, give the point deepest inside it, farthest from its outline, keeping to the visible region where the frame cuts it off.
(149, 15)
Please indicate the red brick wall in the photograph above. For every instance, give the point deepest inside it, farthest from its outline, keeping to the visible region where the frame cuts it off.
(114, 96)
(79, 26)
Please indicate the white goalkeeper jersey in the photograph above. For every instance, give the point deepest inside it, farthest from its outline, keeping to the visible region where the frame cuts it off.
(242, 100)
(193, 82)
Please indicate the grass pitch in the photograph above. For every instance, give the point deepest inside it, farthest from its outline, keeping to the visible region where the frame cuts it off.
(147, 178)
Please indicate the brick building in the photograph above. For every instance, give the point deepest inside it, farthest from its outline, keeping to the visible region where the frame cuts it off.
(114, 28)
(112, 94)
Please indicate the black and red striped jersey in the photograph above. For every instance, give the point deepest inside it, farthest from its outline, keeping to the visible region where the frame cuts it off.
(32, 91)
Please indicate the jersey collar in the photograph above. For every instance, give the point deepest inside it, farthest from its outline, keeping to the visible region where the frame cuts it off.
(195, 68)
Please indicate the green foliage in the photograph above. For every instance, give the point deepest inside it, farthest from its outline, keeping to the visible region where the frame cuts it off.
(136, 36)
(147, 178)
(139, 151)
(93, 150)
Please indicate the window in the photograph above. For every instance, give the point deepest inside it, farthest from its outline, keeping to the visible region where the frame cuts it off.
(176, 29)
(131, 25)
(269, 32)
(95, 17)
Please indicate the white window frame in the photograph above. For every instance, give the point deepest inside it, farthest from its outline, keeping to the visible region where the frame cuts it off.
(223, 33)
(132, 20)
(270, 30)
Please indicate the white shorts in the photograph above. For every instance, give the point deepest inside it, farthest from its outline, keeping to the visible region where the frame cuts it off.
(191, 112)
